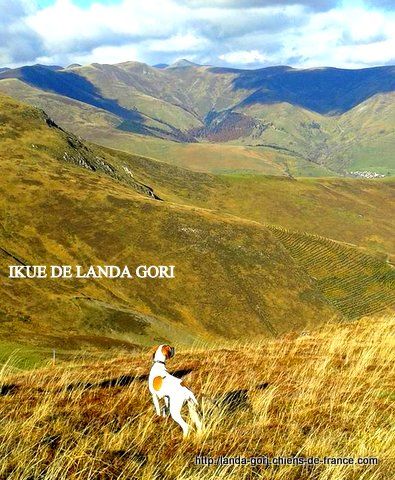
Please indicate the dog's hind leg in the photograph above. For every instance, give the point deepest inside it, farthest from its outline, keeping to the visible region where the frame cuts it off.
(166, 406)
(175, 412)
(156, 404)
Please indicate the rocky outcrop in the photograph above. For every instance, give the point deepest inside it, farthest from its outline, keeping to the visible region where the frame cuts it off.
(80, 153)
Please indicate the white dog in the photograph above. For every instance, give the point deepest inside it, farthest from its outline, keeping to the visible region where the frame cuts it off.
(164, 386)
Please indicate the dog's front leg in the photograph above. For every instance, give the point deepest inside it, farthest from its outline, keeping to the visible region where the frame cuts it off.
(156, 404)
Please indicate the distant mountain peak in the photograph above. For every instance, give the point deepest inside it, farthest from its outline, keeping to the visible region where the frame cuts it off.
(54, 68)
(182, 63)
(74, 65)
(161, 65)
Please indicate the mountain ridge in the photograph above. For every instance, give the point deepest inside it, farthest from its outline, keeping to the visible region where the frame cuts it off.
(211, 105)
(288, 116)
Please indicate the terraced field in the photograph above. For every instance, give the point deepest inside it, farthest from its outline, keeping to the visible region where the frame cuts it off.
(354, 282)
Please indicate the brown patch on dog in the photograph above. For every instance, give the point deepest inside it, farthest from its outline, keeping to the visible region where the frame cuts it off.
(166, 350)
(157, 383)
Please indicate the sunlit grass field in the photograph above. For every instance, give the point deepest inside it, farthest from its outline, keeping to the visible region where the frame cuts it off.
(327, 393)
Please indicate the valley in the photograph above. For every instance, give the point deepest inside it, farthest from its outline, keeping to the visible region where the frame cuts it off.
(275, 120)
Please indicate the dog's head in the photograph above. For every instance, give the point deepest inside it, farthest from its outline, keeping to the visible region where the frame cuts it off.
(163, 353)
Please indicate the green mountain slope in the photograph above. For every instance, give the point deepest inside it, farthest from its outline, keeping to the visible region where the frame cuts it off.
(355, 211)
(366, 135)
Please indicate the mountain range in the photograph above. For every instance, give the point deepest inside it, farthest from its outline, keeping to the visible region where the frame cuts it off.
(275, 120)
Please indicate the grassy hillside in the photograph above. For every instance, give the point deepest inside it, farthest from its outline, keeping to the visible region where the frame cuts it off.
(63, 110)
(327, 394)
(367, 135)
(210, 157)
(353, 211)
(360, 139)
(319, 206)
(353, 280)
(65, 202)
(100, 126)
(55, 212)
(277, 120)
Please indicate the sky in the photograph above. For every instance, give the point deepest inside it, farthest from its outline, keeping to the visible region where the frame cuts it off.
(231, 33)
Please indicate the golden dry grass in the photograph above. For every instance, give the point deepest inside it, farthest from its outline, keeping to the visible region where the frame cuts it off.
(328, 393)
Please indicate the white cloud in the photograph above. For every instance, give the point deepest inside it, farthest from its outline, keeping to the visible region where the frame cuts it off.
(295, 32)
(371, 54)
(245, 4)
(18, 41)
(178, 43)
(106, 54)
(370, 38)
(65, 26)
(243, 57)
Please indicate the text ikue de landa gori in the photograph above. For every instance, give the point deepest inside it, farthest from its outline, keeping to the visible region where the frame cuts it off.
(92, 271)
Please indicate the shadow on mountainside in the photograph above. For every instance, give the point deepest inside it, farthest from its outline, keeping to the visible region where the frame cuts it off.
(70, 85)
(323, 90)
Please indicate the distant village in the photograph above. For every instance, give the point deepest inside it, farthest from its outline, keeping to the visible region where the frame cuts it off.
(366, 174)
